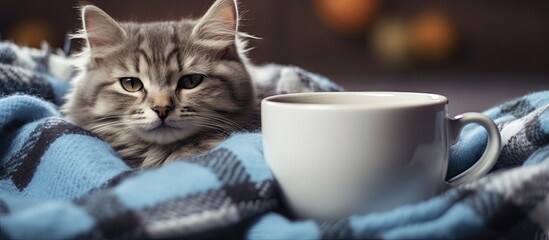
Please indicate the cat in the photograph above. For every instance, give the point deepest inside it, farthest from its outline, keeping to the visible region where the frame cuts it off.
(163, 91)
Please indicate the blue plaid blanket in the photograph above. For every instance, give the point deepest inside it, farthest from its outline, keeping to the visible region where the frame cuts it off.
(58, 181)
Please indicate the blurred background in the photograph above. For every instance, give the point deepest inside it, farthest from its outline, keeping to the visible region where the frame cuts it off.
(478, 53)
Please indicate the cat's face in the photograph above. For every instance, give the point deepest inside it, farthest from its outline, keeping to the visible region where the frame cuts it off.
(161, 81)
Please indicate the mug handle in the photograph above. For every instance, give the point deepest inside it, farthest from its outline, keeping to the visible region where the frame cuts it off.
(491, 153)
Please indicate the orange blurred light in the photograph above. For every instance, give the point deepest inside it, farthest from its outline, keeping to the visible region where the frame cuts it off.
(31, 33)
(348, 17)
(432, 36)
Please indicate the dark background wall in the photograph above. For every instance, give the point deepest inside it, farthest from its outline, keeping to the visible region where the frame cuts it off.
(502, 46)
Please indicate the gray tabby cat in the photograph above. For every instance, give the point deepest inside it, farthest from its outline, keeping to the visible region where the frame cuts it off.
(163, 91)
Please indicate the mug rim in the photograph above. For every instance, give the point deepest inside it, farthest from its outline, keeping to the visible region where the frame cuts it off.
(275, 100)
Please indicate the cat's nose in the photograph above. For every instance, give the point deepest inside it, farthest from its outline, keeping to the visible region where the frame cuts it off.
(162, 112)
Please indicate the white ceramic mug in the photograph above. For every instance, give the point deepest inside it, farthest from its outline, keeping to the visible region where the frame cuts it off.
(337, 153)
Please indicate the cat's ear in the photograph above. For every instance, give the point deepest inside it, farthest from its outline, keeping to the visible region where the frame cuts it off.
(219, 24)
(101, 31)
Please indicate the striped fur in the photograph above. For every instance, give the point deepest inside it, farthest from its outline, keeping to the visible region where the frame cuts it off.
(159, 54)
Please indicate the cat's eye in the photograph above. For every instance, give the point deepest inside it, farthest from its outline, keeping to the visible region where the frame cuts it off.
(190, 81)
(131, 84)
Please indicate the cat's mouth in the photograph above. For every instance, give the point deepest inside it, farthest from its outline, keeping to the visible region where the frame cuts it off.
(163, 126)
(165, 133)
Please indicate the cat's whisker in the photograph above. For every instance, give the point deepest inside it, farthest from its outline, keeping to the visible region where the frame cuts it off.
(111, 117)
(224, 124)
(213, 122)
(216, 127)
(102, 129)
(106, 127)
(225, 120)
(211, 126)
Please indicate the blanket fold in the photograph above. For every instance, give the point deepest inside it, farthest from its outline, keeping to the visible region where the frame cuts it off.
(58, 181)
